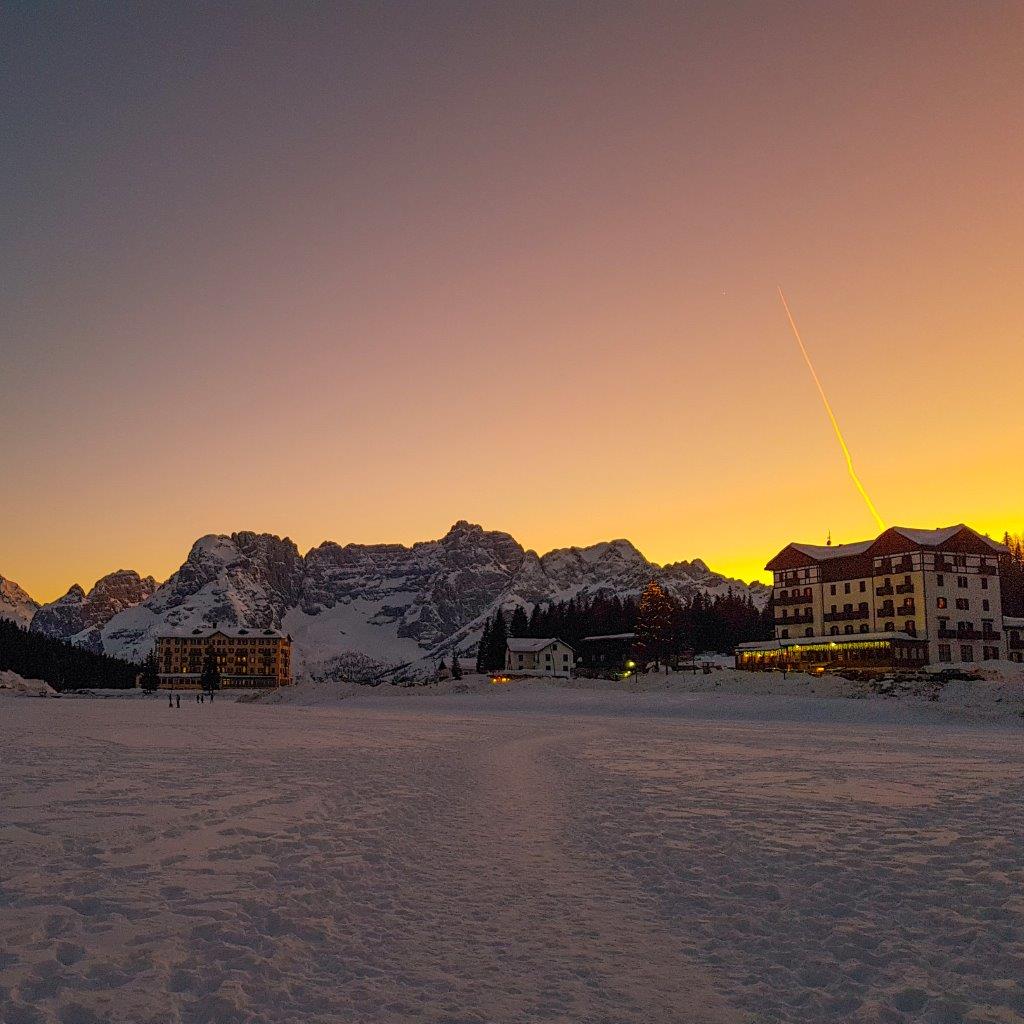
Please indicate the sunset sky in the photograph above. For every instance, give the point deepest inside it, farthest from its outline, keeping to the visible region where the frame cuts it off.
(354, 272)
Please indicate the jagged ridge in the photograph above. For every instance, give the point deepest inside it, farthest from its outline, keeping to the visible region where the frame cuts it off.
(357, 603)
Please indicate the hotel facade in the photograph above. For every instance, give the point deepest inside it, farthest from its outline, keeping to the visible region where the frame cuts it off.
(246, 657)
(905, 599)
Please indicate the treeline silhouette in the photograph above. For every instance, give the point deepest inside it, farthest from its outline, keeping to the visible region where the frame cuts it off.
(1011, 574)
(64, 666)
(701, 623)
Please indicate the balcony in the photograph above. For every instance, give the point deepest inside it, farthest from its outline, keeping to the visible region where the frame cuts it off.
(854, 615)
(885, 591)
(781, 602)
(969, 634)
(988, 570)
(905, 588)
(798, 620)
(908, 611)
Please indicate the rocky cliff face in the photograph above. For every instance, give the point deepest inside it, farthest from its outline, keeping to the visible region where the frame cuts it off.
(81, 616)
(15, 604)
(373, 604)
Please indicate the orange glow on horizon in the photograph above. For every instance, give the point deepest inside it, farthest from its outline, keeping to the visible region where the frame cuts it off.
(348, 272)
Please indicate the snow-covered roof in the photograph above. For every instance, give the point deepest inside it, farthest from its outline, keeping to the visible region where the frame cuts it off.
(609, 636)
(1012, 622)
(820, 552)
(923, 538)
(803, 641)
(933, 538)
(232, 632)
(530, 644)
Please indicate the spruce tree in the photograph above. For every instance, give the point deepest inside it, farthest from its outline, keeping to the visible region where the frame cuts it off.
(484, 647)
(456, 667)
(535, 622)
(150, 677)
(520, 624)
(210, 679)
(654, 633)
(498, 643)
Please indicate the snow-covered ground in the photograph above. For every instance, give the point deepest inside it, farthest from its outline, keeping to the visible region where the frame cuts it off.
(511, 854)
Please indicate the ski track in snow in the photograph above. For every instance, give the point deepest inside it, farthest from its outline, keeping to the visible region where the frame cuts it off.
(508, 857)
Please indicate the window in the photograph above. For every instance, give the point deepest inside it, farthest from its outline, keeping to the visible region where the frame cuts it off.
(863, 585)
(940, 580)
(864, 627)
(962, 604)
(848, 629)
(961, 582)
(784, 635)
(989, 653)
(945, 654)
(808, 631)
(834, 631)
(846, 588)
(909, 627)
(984, 583)
(784, 595)
(890, 627)
(966, 652)
(940, 602)
(984, 605)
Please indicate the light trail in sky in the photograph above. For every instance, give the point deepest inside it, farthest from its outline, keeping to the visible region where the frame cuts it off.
(831, 414)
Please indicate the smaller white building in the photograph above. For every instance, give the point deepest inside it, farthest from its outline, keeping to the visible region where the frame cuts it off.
(544, 656)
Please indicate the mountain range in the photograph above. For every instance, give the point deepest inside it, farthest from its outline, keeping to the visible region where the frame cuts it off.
(355, 607)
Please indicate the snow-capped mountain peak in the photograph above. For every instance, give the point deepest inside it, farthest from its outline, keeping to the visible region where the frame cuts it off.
(365, 603)
(15, 603)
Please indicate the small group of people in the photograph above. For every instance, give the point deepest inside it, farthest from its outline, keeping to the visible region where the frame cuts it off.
(174, 699)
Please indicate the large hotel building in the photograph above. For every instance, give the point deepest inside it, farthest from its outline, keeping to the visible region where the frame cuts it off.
(905, 599)
(246, 656)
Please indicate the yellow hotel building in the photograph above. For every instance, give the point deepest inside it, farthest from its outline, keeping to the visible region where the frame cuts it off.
(246, 656)
(904, 599)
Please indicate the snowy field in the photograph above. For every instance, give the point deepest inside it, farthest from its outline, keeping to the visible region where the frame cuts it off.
(518, 855)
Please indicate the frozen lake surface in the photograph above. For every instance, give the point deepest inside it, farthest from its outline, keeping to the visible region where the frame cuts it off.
(509, 857)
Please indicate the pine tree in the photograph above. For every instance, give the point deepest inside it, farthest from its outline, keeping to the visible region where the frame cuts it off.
(520, 624)
(150, 676)
(497, 644)
(535, 622)
(210, 679)
(484, 647)
(1011, 576)
(654, 633)
(456, 667)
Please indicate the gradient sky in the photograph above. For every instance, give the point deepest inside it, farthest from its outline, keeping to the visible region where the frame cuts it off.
(355, 272)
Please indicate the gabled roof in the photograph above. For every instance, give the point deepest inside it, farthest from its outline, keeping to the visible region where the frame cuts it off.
(530, 644)
(890, 541)
(819, 552)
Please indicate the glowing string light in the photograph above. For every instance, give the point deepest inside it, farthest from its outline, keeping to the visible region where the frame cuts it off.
(831, 414)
